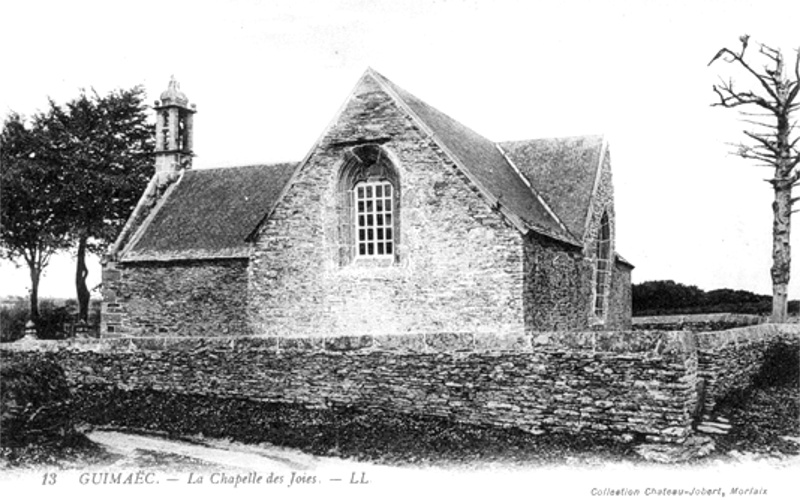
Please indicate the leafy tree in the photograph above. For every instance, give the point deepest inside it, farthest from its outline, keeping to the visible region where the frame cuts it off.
(104, 145)
(773, 97)
(32, 200)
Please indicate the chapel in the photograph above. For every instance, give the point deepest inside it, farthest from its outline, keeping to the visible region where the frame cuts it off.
(398, 220)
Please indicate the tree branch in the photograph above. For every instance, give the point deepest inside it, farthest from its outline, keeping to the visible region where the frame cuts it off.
(767, 144)
(740, 59)
(734, 99)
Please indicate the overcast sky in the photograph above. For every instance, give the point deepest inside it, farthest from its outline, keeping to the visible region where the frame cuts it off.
(267, 77)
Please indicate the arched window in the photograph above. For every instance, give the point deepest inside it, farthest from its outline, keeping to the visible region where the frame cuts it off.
(368, 205)
(602, 273)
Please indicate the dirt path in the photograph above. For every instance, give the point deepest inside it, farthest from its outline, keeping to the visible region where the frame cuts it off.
(210, 452)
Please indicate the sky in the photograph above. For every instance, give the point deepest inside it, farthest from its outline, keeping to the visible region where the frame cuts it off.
(267, 77)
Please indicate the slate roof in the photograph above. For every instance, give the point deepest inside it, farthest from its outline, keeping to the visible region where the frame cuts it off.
(547, 184)
(563, 170)
(484, 162)
(208, 213)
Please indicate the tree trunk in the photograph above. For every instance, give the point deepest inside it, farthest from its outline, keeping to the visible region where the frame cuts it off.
(36, 273)
(81, 272)
(781, 251)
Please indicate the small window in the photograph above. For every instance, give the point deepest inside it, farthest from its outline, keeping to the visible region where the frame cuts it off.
(374, 219)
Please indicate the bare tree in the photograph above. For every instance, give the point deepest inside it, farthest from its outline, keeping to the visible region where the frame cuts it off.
(773, 99)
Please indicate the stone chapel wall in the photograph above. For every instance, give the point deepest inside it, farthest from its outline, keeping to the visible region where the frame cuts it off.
(185, 298)
(459, 263)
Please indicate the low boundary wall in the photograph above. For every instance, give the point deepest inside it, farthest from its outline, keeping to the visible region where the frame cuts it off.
(696, 322)
(729, 360)
(624, 385)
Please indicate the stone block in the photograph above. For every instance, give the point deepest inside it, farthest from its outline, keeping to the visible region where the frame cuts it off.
(255, 344)
(149, 343)
(626, 341)
(184, 344)
(300, 344)
(112, 318)
(572, 340)
(348, 343)
(449, 342)
(400, 343)
(110, 275)
(502, 342)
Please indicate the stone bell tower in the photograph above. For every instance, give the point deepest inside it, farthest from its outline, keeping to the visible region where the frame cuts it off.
(174, 129)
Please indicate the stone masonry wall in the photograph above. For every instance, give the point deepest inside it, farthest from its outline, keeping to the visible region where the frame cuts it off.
(729, 359)
(558, 286)
(620, 384)
(187, 298)
(696, 322)
(620, 300)
(459, 263)
(624, 385)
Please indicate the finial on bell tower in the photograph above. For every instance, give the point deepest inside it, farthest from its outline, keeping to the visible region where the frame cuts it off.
(174, 130)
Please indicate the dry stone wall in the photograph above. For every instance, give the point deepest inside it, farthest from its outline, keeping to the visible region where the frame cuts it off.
(613, 384)
(625, 385)
(696, 322)
(730, 359)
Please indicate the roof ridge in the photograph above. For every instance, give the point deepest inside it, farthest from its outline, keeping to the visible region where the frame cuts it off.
(495, 200)
(390, 89)
(555, 138)
(394, 88)
(251, 165)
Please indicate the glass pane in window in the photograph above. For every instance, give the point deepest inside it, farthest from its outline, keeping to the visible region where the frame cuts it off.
(387, 189)
(361, 234)
(362, 249)
(369, 205)
(370, 249)
(369, 191)
(380, 233)
(378, 190)
(388, 247)
(369, 220)
(388, 233)
(370, 235)
(379, 219)
(379, 205)
(360, 220)
(388, 219)
(380, 248)
(360, 206)
(361, 192)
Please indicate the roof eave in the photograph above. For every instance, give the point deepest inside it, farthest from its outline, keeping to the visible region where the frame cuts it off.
(166, 256)
(622, 260)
